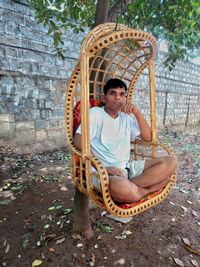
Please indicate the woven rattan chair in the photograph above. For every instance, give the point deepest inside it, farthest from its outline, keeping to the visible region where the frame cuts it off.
(109, 51)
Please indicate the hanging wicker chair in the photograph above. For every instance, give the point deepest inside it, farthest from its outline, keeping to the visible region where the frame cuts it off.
(109, 51)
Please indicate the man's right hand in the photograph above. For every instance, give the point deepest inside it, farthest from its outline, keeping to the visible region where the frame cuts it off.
(114, 171)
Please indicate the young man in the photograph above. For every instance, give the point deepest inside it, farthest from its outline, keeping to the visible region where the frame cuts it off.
(112, 128)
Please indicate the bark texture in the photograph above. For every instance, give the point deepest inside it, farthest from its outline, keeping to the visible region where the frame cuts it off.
(81, 215)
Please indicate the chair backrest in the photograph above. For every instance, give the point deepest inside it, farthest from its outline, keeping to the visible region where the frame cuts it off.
(107, 52)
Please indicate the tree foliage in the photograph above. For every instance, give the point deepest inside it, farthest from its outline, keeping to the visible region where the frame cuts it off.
(177, 21)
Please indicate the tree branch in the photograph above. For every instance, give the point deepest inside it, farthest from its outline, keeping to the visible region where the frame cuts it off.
(117, 8)
(101, 12)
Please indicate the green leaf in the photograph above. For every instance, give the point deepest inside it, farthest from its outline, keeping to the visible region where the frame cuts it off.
(36, 263)
(105, 228)
(58, 207)
(51, 208)
(177, 23)
(67, 211)
(5, 202)
(46, 226)
(17, 188)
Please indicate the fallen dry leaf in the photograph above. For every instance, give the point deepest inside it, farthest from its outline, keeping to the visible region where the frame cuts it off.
(184, 208)
(76, 237)
(28, 220)
(195, 263)
(120, 236)
(93, 257)
(178, 262)
(126, 232)
(7, 248)
(51, 250)
(6, 245)
(195, 214)
(120, 261)
(103, 213)
(59, 241)
(186, 241)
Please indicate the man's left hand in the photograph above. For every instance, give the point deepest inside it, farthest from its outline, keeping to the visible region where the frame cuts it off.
(130, 108)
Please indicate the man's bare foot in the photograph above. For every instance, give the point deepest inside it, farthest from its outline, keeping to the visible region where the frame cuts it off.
(158, 186)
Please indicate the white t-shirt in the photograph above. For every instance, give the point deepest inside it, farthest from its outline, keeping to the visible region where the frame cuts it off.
(110, 138)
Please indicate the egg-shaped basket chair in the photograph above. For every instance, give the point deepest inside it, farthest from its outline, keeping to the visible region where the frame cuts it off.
(111, 51)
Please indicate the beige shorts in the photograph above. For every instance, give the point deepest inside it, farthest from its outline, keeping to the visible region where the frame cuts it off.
(134, 168)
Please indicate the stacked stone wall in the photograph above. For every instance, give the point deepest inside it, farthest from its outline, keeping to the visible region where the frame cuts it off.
(33, 83)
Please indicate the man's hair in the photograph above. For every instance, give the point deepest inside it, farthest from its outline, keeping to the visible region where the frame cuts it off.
(114, 83)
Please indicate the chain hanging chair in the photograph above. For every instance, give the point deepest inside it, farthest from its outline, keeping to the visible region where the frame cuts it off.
(111, 51)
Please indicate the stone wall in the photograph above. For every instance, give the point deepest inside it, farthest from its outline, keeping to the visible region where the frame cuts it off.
(32, 80)
(33, 83)
(178, 94)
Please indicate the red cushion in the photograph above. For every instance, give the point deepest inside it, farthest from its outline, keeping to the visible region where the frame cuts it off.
(77, 112)
(142, 200)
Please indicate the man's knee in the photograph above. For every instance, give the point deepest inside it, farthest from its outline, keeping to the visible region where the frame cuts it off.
(122, 191)
(171, 164)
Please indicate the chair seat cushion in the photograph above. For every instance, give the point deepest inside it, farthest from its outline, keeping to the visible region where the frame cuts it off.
(142, 200)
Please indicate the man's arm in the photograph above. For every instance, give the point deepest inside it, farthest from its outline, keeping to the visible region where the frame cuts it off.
(145, 131)
(77, 141)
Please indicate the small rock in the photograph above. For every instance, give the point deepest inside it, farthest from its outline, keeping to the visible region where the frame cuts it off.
(76, 237)
(44, 170)
(59, 169)
(63, 188)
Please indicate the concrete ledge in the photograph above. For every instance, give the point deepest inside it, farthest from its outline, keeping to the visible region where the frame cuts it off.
(41, 135)
(25, 137)
(7, 117)
(25, 125)
(56, 133)
(7, 129)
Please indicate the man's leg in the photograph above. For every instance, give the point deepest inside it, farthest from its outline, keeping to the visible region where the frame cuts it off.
(156, 171)
(122, 190)
(156, 175)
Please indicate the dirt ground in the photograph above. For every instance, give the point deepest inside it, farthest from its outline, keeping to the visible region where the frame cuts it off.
(36, 216)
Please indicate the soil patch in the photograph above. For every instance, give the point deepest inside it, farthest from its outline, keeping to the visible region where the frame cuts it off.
(36, 207)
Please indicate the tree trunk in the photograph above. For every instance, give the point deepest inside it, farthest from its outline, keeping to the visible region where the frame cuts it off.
(81, 215)
(101, 12)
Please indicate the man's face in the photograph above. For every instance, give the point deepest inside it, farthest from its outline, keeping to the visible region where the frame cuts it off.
(115, 99)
